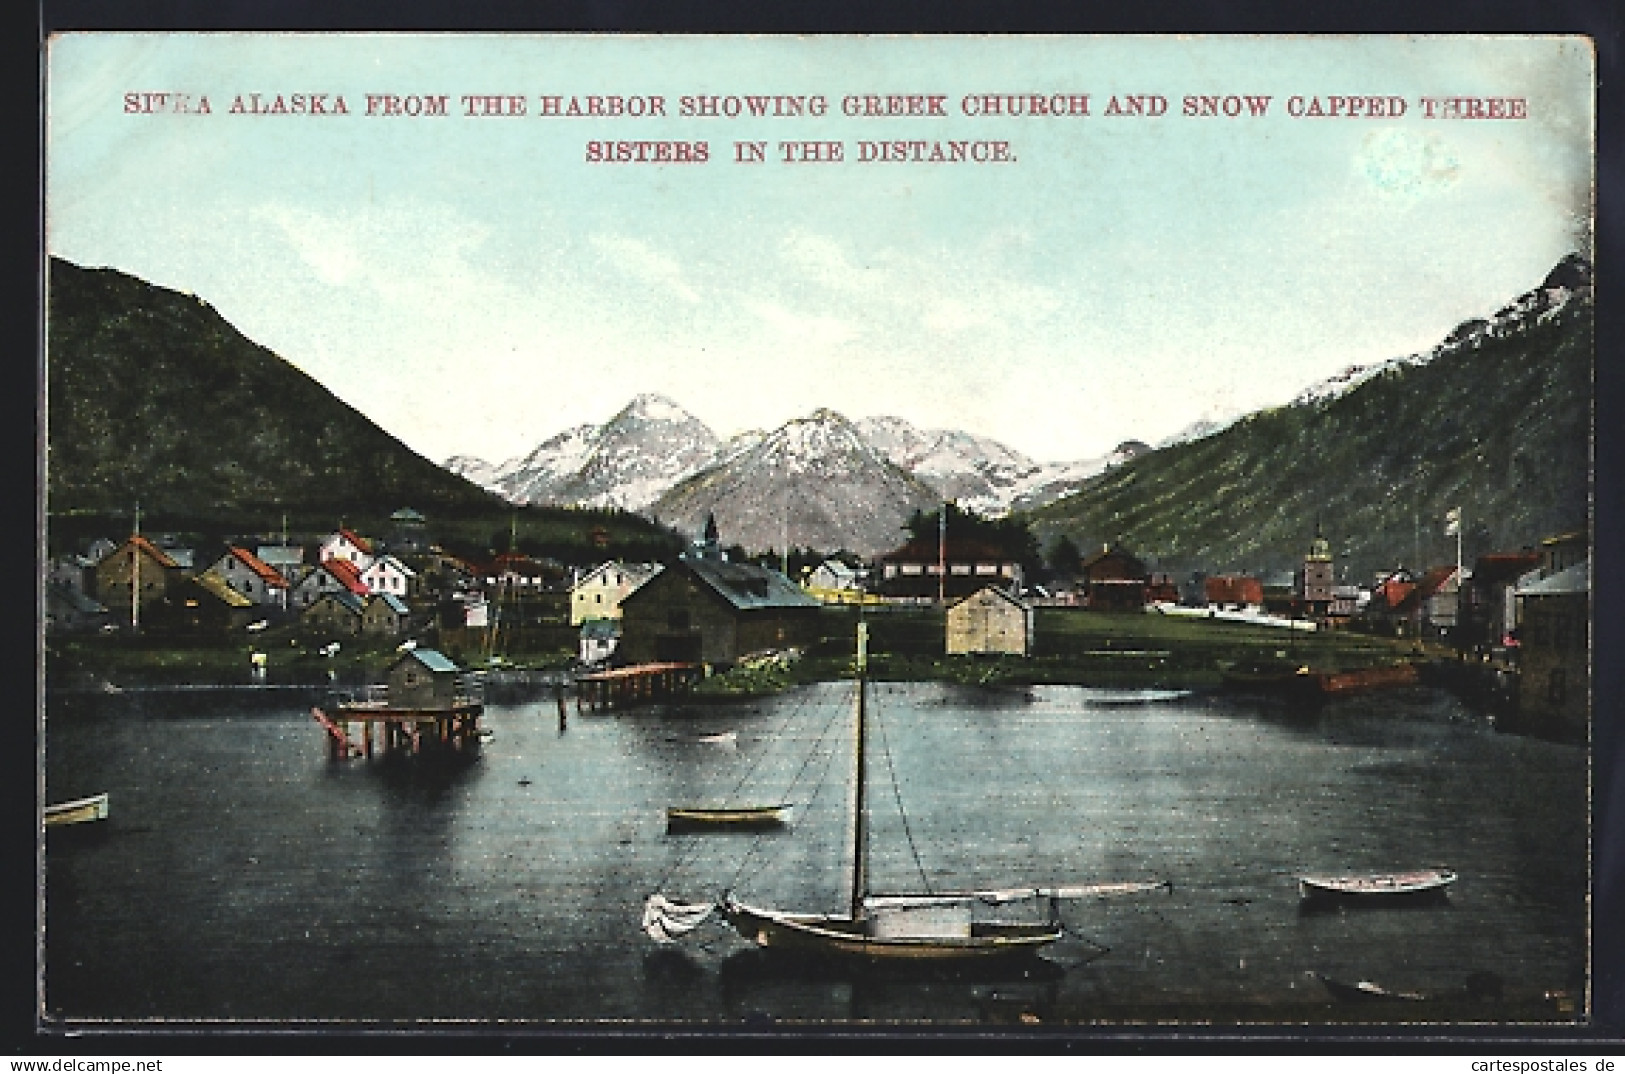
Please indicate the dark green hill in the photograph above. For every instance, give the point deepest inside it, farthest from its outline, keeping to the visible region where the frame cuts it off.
(153, 395)
(1498, 423)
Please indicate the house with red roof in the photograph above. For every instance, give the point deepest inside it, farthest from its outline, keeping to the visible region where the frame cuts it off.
(1114, 580)
(1488, 613)
(134, 577)
(1233, 592)
(244, 572)
(1434, 601)
(911, 573)
(347, 545)
(328, 576)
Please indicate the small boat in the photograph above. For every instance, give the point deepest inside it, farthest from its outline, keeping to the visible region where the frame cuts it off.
(1337, 683)
(1363, 990)
(78, 811)
(721, 738)
(700, 817)
(1377, 888)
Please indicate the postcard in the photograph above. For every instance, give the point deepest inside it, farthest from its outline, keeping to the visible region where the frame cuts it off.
(573, 531)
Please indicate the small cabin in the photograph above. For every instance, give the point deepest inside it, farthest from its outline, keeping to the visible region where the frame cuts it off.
(599, 637)
(990, 621)
(335, 613)
(1115, 581)
(385, 615)
(424, 679)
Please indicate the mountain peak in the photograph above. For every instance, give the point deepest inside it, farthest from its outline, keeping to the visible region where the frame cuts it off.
(825, 416)
(653, 407)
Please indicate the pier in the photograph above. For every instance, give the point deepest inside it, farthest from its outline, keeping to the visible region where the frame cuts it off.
(429, 704)
(399, 731)
(639, 682)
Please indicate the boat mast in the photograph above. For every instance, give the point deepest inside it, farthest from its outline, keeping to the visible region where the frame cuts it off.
(860, 833)
(942, 554)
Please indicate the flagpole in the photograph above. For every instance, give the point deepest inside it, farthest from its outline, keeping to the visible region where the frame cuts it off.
(1458, 546)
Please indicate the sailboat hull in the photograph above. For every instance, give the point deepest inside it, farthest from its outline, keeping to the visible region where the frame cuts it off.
(822, 934)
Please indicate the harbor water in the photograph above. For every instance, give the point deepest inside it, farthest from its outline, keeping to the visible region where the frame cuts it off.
(245, 876)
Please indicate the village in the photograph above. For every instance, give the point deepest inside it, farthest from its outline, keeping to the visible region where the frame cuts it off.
(1509, 630)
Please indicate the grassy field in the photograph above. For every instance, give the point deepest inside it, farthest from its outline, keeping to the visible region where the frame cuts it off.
(1085, 648)
(1072, 646)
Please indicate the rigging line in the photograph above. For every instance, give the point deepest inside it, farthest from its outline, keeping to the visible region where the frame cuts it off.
(897, 794)
(791, 711)
(756, 843)
(829, 759)
(694, 843)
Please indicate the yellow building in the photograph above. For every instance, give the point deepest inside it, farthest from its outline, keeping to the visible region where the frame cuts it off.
(990, 621)
(599, 594)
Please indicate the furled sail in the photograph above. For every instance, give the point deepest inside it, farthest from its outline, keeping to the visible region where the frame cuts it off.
(1073, 891)
(665, 920)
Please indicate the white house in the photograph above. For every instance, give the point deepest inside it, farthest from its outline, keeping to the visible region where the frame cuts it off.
(599, 593)
(346, 545)
(386, 574)
(599, 637)
(835, 576)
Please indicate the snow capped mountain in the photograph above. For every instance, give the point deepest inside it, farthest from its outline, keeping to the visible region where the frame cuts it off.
(826, 482)
(814, 482)
(1215, 421)
(981, 474)
(976, 472)
(636, 458)
(1568, 281)
(627, 462)
(475, 469)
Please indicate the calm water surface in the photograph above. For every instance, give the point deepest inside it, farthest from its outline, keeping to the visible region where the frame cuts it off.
(245, 876)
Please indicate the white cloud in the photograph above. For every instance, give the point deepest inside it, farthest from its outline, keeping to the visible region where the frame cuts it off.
(640, 260)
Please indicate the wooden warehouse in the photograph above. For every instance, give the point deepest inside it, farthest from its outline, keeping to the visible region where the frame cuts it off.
(703, 609)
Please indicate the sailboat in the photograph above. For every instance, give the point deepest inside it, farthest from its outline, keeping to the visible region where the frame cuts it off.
(921, 927)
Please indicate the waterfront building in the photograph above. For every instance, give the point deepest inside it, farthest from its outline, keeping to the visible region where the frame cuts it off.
(989, 621)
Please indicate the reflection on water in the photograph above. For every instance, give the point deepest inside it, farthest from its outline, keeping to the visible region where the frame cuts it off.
(245, 876)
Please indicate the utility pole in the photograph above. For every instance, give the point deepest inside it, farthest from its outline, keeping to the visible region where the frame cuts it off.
(135, 572)
(942, 554)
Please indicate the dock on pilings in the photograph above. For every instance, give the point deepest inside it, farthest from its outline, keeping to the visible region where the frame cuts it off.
(634, 684)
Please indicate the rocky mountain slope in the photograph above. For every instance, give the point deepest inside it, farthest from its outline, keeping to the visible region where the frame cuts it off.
(814, 482)
(627, 462)
(1495, 419)
(152, 395)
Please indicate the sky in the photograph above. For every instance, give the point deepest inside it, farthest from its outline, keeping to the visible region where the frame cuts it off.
(475, 283)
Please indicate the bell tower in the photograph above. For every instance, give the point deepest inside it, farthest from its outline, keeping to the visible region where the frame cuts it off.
(1318, 577)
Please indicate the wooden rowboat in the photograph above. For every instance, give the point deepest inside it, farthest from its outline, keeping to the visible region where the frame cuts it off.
(699, 817)
(1337, 683)
(1420, 885)
(1361, 991)
(78, 811)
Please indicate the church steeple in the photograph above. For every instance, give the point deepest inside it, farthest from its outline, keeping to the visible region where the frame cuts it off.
(709, 546)
(1320, 549)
